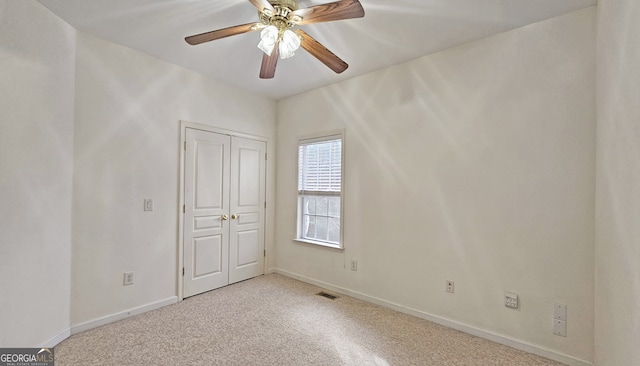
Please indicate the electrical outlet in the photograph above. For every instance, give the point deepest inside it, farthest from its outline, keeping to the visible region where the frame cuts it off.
(511, 300)
(354, 265)
(450, 286)
(128, 279)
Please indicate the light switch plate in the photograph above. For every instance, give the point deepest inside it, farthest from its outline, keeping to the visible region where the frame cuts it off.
(560, 327)
(560, 311)
(148, 204)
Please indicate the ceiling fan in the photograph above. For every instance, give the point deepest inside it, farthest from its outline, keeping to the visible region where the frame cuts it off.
(280, 39)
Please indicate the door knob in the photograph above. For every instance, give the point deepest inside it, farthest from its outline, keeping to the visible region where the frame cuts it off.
(234, 216)
(224, 217)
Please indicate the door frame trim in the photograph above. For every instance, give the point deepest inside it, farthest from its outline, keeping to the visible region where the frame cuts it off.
(184, 125)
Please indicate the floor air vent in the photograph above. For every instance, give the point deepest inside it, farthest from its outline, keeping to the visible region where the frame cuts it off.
(328, 296)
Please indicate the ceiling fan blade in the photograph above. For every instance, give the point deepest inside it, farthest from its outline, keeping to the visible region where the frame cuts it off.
(261, 5)
(268, 68)
(222, 33)
(321, 52)
(344, 9)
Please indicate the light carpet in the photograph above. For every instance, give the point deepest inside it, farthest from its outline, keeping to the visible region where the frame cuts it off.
(275, 320)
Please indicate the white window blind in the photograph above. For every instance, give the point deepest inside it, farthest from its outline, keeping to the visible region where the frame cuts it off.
(320, 191)
(320, 167)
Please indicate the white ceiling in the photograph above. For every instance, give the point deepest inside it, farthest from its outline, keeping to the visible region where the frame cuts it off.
(390, 33)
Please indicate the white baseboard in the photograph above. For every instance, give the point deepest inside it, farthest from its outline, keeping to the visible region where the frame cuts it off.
(505, 340)
(64, 334)
(79, 328)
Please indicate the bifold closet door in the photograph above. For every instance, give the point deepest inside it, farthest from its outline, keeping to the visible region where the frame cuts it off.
(224, 210)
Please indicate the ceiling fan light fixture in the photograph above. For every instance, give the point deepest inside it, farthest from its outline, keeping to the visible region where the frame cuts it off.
(268, 39)
(289, 43)
(277, 19)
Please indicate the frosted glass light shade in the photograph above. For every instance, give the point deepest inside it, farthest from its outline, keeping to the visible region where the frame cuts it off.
(289, 44)
(269, 37)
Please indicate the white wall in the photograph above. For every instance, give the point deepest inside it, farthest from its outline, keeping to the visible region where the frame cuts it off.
(36, 168)
(617, 284)
(128, 107)
(477, 165)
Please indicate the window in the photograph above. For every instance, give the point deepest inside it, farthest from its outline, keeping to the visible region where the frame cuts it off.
(320, 191)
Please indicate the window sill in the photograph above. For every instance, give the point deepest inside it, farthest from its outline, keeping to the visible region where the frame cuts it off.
(319, 243)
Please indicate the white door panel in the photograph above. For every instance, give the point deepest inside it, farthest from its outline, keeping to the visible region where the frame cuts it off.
(210, 164)
(206, 233)
(207, 222)
(248, 171)
(248, 247)
(207, 254)
(246, 242)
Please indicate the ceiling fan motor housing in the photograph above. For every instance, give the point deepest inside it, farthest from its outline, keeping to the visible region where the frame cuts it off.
(291, 4)
(280, 16)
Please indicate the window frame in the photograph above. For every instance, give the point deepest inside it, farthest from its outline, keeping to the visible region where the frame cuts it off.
(306, 140)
